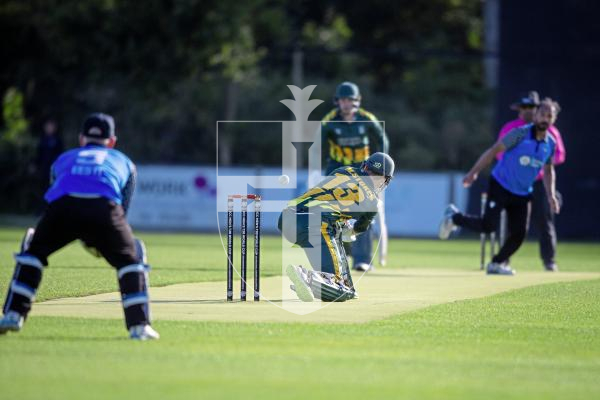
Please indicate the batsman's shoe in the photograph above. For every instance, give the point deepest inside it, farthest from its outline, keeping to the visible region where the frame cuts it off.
(299, 277)
(499, 269)
(143, 332)
(447, 226)
(364, 267)
(12, 321)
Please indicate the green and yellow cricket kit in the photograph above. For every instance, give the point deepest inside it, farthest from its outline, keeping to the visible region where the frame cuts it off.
(350, 143)
(314, 220)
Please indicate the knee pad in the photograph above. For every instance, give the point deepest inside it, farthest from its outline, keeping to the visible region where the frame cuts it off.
(140, 251)
(24, 284)
(288, 225)
(133, 283)
(26, 241)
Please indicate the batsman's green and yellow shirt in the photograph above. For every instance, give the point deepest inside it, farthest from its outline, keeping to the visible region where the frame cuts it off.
(347, 193)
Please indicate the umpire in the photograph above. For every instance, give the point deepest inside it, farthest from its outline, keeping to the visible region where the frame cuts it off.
(90, 192)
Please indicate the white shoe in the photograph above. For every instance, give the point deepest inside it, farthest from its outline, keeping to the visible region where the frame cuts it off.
(364, 267)
(299, 278)
(447, 226)
(500, 269)
(552, 267)
(143, 332)
(12, 321)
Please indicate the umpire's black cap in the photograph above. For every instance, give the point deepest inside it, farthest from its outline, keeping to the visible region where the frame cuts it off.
(532, 99)
(98, 125)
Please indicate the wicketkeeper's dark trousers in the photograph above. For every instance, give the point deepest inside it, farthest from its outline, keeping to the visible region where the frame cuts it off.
(101, 224)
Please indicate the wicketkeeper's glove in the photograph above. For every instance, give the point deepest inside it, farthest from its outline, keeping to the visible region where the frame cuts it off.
(92, 250)
(348, 234)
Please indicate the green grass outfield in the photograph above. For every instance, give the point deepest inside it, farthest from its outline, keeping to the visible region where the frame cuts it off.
(536, 342)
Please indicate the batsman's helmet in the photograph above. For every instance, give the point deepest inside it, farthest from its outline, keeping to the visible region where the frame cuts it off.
(347, 89)
(380, 164)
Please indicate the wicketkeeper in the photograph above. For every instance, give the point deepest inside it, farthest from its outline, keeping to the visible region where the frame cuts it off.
(335, 211)
(91, 188)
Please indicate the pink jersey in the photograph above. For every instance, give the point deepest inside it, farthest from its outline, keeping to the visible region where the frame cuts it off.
(559, 155)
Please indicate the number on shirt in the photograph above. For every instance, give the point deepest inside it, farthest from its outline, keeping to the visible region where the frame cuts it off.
(92, 156)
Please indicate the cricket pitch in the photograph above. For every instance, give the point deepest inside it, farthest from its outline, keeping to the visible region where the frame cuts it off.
(383, 293)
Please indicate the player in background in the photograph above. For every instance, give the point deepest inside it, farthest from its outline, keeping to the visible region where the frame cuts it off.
(527, 149)
(349, 134)
(542, 216)
(90, 192)
(336, 210)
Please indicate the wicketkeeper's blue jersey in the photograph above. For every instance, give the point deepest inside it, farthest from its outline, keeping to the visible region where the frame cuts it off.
(92, 171)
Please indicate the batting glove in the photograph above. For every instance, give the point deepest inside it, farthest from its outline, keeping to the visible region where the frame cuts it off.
(348, 234)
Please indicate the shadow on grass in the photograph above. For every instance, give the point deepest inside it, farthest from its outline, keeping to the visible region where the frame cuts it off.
(108, 267)
(432, 276)
(65, 338)
(222, 301)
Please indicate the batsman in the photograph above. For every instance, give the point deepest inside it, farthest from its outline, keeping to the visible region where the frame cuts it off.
(349, 134)
(336, 210)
